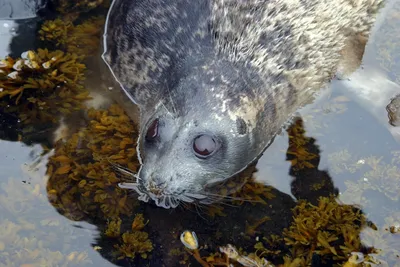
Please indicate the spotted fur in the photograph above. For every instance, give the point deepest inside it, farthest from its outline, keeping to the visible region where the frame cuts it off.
(236, 69)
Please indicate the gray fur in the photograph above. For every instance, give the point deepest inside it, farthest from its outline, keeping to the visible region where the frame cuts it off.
(237, 69)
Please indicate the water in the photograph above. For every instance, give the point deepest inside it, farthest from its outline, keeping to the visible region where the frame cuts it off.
(60, 219)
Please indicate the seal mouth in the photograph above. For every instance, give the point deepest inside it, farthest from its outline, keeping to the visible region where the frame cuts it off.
(171, 201)
(166, 201)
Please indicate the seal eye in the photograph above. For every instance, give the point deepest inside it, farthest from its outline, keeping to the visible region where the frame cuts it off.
(204, 145)
(152, 131)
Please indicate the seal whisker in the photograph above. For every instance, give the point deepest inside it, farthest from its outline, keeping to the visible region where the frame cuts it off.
(124, 170)
(225, 197)
(129, 185)
(162, 103)
(199, 210)
(195, 195)
(170, 96)
(186, 198)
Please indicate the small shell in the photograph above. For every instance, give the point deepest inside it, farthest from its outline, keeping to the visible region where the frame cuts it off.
(395, 229)
(13, 75)
(46, 65)
(24, 55)
(3, 63)
(189, 239)
(18, 65)
(31, 55)
(230, 251)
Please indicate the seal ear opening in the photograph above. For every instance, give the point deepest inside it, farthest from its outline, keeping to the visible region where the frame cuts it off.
(241, 126)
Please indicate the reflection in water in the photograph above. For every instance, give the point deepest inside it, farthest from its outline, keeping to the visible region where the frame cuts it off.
(73, 173)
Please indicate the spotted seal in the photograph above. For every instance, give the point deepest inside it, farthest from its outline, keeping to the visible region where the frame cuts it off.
(215, 80)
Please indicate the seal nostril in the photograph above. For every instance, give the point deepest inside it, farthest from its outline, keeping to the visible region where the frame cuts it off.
(156, 185)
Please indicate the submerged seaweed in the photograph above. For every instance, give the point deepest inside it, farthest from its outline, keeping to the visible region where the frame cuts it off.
(82, 178)
(131, 243)
(82, 39)
(331, 230)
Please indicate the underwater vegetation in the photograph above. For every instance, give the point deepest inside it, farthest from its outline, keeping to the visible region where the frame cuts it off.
(41, 85)
(82, 178)
(131, 243)
(82, 39)
(378, 176)
(330, 230)
(46, 84)
(297, 153)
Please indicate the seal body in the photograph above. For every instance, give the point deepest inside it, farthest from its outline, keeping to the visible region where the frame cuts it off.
(215, 80)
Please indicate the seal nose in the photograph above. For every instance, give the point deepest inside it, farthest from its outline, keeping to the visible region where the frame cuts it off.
(156, 185)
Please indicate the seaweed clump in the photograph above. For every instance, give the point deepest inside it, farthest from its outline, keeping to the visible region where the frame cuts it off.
(131, 243)
(42, 85)
(82, 38)
(297, 153)
(329, 230)
(83, 180)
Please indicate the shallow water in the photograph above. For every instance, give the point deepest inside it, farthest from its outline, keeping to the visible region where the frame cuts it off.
(47, 220)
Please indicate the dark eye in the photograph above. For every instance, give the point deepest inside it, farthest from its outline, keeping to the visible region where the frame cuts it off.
(204, 145)
(152, 131)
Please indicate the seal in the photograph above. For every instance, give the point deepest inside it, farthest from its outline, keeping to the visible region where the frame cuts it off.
(216, 80)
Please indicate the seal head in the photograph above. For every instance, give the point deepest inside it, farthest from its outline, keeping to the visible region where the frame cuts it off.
(202, 136)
